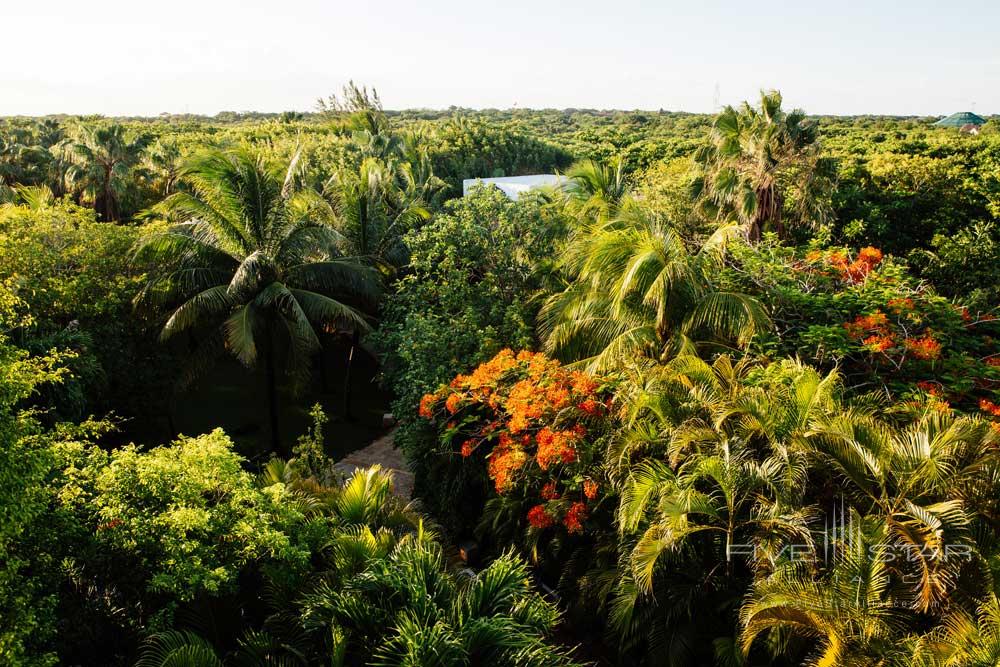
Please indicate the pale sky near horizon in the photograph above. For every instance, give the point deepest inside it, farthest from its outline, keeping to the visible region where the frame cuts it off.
(135, 57)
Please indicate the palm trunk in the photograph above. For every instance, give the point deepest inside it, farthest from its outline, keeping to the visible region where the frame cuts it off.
(754, 228)
(761, 214)
(769, 205)
(324, 376)
(270, 378)
(355, 339)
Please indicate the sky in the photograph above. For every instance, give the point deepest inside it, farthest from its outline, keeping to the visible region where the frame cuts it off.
(137, 57)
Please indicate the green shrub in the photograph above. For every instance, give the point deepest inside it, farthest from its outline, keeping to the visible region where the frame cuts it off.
(467, 295)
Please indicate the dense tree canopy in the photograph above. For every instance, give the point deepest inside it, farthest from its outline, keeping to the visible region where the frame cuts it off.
(729, 395)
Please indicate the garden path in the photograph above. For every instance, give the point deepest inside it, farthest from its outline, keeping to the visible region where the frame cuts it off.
(383, 452)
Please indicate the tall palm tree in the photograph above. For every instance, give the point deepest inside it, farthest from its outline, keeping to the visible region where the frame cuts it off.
(250, 265)
(104, 156)
(372, 210)
(374, 205)
(753, 157)
(636, 291)
(597, 190)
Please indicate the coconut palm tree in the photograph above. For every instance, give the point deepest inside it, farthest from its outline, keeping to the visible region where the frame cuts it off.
(372, 211)
(250, 266)
(597, 190)
(104, 156)
(758, 159)
(636, 291)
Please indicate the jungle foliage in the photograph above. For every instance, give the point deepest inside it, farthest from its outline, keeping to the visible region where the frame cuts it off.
(731, 396)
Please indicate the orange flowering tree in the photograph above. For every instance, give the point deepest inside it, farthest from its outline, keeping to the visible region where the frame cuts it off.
(535, 426)
(866, 314)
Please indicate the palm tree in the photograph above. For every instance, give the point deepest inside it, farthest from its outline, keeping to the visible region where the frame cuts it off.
(736, 467)
(104, 156)
(636, 291)
(406, 609)
(249, 264)
(925, 482)
(753, 158)
(963, 639)
(373, 205)
(372, 210)
(164, 162)
(597, 190)
(850, 614)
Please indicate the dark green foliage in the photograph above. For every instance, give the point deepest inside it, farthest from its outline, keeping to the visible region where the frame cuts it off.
(964, 264)
(471, 149)
(188, 554)
(467, 294)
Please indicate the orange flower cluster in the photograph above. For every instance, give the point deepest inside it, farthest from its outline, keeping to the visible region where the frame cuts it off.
(877, 321)
(557, 446)
(539, 518)
(989, 407)
(879, 343)
(856, 271)
(530, 413)
(525, 403)
(873, 330)
(925, 347)
(575, 517)
(931, 387)
(427, 406)
(468, 447)
(453, 403)
(549, 491)
(503, 462)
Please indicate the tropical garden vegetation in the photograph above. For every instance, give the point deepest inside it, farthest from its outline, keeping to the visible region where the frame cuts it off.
(730, 395)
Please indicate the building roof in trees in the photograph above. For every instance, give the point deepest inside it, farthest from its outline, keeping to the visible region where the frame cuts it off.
(959, 119)
(514, 186)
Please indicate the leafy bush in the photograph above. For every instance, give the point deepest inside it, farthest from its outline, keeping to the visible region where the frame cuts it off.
(869, 316)
(26, 604)
(965, 264)
(78, 276)
(467, 294)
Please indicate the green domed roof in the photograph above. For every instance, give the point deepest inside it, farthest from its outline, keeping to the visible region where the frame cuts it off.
(961, 118)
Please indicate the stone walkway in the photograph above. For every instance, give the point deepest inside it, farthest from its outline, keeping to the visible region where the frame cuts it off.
(384, 453)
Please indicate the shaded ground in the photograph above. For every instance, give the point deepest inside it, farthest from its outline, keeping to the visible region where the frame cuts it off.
(234, 398)
(384, 453)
